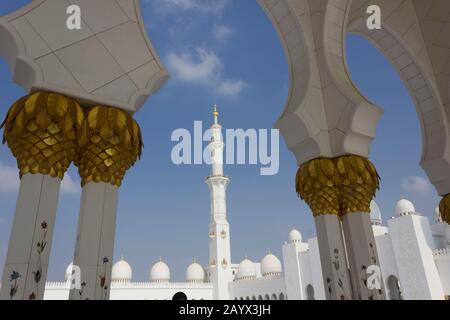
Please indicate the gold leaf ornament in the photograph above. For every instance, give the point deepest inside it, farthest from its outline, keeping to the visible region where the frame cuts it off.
(337, 186)
(41, 129)
(110, 143)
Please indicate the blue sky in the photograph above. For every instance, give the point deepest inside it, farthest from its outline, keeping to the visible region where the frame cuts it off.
(223, 51)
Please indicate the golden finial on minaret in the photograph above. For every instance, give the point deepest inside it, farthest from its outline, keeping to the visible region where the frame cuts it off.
(216, 115)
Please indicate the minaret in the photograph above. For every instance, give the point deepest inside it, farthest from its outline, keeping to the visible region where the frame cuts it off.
(219, 229)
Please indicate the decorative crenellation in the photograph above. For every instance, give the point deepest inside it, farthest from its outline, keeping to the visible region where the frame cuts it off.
(47, 131)
(442, 252)
(66, 285)
(337, 186)
(162, 284)
(120, 280)
(160, 281)
(273, 275)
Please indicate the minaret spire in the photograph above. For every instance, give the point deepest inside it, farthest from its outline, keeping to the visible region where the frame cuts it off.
(216, 115)
(219, 246)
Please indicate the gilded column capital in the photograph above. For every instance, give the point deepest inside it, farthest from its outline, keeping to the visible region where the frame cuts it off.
(337, 186)
(41, 129)
(110, 143)
(444, 208)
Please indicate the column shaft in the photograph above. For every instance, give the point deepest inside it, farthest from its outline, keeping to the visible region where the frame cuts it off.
(95, 241)
(362, 253)
(333, 258)
(27, 260)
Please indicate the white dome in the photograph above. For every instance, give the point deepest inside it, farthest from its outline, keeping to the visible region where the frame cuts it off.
(195, 273)
(121, 271)
(270, 266)
(68, 272)
(375, 214)
(160, 272)
(246, 270)
(404, 207)
(295, 236)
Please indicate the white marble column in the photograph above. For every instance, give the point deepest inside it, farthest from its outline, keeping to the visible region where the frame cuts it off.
(95, 241)
(25, 271)
(362, 253)
(333, 259)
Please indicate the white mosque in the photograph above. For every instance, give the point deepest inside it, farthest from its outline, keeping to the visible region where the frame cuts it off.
(414, 257)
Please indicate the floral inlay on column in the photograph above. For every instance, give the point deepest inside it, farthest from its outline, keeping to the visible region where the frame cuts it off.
(103, 284)
(37, 273)
(14, 280)
(80, 292)
(337, 265)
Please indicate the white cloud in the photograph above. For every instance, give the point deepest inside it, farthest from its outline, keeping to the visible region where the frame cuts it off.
(222, 32)
(9, 181)
(203, 67)
(415, 184)
(203, 6)
(69, 185)
(231, 87)
(9, 178)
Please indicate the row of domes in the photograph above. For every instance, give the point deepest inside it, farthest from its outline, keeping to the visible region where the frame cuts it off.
(159, 272)
(270, 267)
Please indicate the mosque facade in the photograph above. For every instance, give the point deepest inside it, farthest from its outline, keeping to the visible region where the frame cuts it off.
(84, 87)
(414, 258)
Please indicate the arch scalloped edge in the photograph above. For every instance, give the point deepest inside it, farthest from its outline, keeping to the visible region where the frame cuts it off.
(137, 5)
(302, 144)
(25, 71)
(139, 97)
(290, 103)
(435, 170)
(343, 81)
(11, 46)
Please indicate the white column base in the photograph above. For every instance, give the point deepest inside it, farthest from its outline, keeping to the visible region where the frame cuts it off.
(95, 241)
(362, 253)
(31, 238)
(333, 258)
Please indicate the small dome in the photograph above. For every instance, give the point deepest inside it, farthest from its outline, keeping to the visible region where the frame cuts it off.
(195, 273)
(160, 272)
(295, 236)
(68, 272)
(404, 207)
(121, 271)
(270, 266)
(246, 270)
(375, 214)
